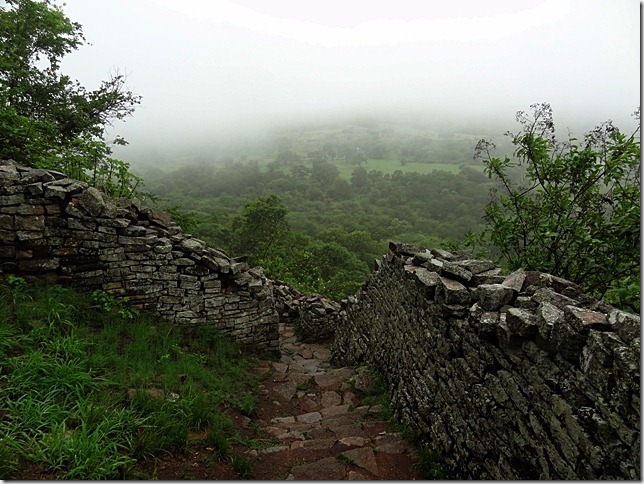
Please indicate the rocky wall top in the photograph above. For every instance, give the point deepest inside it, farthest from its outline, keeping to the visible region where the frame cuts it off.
(507, 377)
(53, 226)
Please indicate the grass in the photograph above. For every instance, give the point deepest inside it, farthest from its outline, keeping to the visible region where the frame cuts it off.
(88, 389)
(241, 465)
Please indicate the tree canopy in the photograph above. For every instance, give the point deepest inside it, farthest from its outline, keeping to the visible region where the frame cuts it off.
(48, 120)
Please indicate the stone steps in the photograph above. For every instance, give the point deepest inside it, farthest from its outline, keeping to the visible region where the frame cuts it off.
(322, 429)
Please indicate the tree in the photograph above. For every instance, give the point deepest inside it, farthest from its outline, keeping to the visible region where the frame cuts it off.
(46, 119)
(260, 228)
(575, 211)
(324, 173)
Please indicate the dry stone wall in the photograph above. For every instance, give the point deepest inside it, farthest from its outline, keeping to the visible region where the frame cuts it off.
(314, 316)
(56, 227)
(517, 377)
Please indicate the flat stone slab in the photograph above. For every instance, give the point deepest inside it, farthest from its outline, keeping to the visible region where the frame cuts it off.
(340, 420)
(297, 368)
(322, 354)
(275, 431)
(311, 417)
(356, 476)
(306, 353)
(328, 469)
(399, 447)
(307, 404)
(363, 457)
(329, 399)
(294, 435)
(286, 391)
(317, 444)
(277, 448)
(335, 411)
(329, 381)
(298, 378)
(354, 441)
(350, 430)
(280, 367)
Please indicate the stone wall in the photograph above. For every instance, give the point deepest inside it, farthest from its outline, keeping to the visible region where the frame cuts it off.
(315, 317)
(517, 377)
(56, 227)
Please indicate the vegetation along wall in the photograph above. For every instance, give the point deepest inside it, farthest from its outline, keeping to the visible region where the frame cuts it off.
(507, 377)
(54, 226)
(517, 377)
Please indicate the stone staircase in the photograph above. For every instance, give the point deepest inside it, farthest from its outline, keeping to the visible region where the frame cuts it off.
(324, 431)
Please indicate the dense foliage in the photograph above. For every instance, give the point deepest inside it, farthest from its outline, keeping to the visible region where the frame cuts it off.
(575, 212)
(47, 120)
(323, 231)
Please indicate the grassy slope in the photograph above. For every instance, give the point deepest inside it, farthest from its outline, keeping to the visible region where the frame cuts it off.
(85, 392)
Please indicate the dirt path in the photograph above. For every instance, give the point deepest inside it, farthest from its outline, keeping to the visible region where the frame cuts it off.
(323, 430)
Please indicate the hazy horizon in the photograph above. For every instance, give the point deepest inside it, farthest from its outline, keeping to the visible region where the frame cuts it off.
(211, 71)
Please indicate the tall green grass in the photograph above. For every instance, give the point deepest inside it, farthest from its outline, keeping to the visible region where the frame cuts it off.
(88, 386)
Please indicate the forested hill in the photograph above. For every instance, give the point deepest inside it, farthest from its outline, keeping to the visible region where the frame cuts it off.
(342, 193)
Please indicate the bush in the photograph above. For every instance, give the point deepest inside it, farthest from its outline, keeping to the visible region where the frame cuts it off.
(574, 208)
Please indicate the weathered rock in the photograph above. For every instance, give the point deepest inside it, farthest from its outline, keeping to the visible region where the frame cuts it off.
(626, 325)
(450, 291)
(77, 235)
(548, 295)
(327, 469)
(522, 322)
(492, 297)
(500, 390)
(583, 320)
(547, 316)
(92, 201)
(455, 270)
(515, 280)
(363, 457)
(476, 266)
(442, 254)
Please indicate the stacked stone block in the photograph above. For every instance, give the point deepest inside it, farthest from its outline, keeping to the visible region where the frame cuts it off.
(507, 377)
(56, 227)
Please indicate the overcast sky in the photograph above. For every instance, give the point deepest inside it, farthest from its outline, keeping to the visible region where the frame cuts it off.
(218, 66)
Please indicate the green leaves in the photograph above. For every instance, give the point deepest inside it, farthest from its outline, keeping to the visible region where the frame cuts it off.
(46, 119)
(261, 226)
(574, 211)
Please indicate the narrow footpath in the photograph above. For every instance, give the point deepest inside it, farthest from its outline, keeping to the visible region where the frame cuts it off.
(323, 430)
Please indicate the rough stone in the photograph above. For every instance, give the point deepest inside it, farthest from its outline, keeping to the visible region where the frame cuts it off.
(363, 457)
(92, 201)
(515, 280)
(72, 231)
(626, 325)
(452, 292)
(327, 469)
(499, 390)
(522, 322)
(492, 297)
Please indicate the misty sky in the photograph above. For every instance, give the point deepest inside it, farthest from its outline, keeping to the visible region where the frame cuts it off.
(212, 67)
